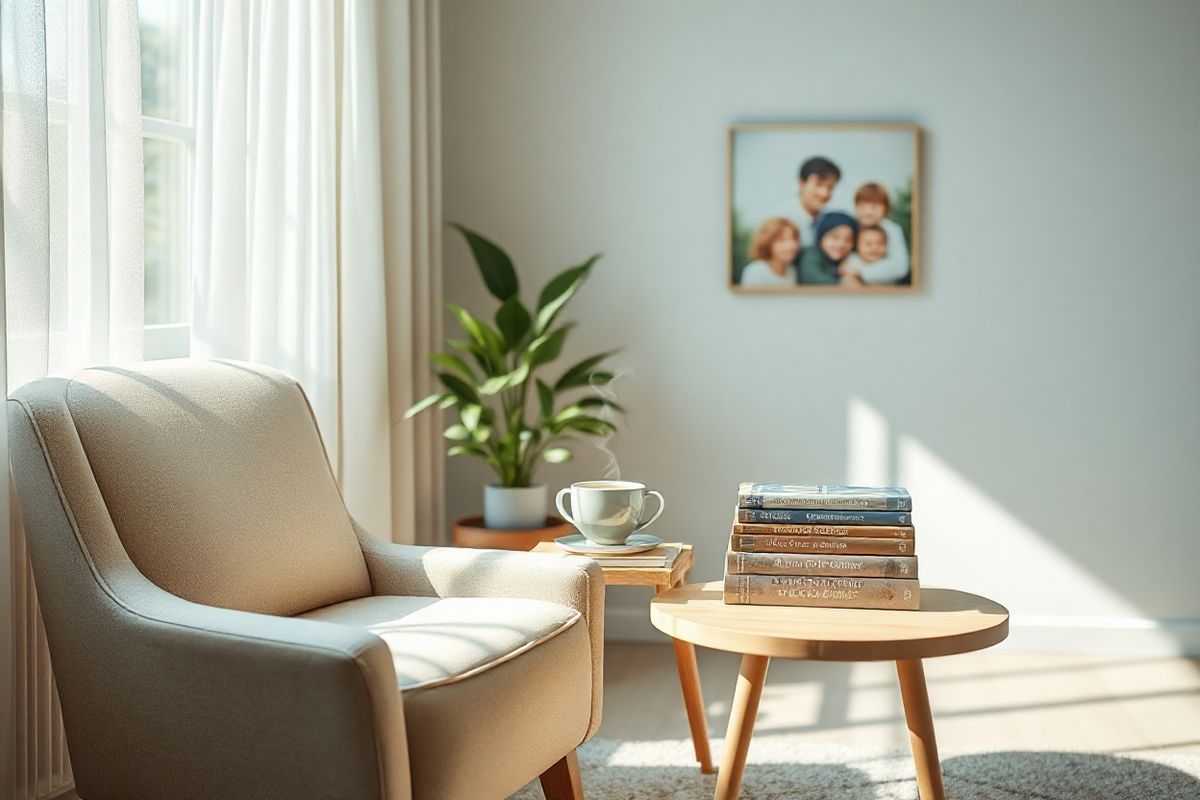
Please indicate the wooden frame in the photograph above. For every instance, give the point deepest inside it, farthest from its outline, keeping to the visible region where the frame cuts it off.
(914, 245)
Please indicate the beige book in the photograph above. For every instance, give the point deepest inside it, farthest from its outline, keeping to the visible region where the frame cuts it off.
(787, 529)
(825, 592)
(829, 545)
(799, 564)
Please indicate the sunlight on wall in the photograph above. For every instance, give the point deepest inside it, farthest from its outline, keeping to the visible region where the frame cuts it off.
(867, 445)
(967, 540)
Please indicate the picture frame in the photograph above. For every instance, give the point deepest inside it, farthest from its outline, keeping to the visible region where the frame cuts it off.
(845, 198)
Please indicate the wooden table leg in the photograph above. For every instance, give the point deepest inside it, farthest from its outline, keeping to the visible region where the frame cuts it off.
(920, 729)
(752, 674)
(693, 701)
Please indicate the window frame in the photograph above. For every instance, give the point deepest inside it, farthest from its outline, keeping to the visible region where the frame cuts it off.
(173, 340)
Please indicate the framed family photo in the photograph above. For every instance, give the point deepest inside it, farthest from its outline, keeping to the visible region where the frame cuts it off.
(824, 207)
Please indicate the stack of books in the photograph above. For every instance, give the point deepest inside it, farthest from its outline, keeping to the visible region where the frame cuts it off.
(830, 546)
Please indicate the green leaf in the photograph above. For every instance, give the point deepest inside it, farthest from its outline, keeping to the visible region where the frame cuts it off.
(547, 347)
(592, 425)
(494, 385)
(460, 388)
(598, 378)
(513, 321)
(490, 342)
(448, 361)
(475, 351)
(457, 432)
(422, 404)
(482, 433)
(500, 382)
(558, 291)
(580, 374)
(470, 416)
(574, 410)
(494, 264)
(450, 400)
(593, 402)
(470, 449)
(545, 399)
(557, 455)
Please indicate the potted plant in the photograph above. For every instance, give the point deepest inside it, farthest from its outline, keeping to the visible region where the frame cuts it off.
(510, 413)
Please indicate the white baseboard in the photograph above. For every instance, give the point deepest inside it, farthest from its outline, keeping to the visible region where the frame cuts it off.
(1131, 635)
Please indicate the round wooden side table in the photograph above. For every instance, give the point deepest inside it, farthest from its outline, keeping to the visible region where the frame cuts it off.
(470, 532)
(949, 622)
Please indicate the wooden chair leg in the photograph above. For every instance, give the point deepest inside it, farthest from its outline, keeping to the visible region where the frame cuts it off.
(562, 781)
(920, 729)
(752, 674)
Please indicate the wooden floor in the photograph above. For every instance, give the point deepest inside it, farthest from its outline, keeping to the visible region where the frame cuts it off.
(993, 700)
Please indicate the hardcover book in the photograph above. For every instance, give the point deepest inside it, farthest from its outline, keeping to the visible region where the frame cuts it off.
(828, 545)
(810, 516)
(803, 590)
(786, 529)
(740, 563)
(782, 495)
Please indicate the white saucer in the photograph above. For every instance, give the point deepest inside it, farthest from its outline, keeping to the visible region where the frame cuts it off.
(637, 543)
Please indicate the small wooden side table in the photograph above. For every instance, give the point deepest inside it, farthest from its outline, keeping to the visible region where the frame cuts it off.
(663, 579)
(470, 532)
(949, 622)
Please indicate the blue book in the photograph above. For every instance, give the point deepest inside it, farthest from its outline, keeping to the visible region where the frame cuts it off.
(861, 498)
(823, 516)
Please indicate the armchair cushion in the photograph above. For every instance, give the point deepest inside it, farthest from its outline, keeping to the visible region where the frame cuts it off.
(572, 581)
(440, 640)
(215, 479)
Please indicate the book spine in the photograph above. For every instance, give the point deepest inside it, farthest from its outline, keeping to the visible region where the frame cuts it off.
(810, 516)
(830, 502)
(824, 592)
(741, 563)
(785, 529)
(827, 545)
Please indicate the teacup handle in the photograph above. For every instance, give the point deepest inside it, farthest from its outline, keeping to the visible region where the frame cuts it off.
(661, 505)
(558, 503)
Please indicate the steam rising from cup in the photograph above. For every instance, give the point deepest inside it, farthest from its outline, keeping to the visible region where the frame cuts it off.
(612, 471)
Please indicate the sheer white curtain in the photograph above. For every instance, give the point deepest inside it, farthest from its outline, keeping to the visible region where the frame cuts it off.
(72, 185)
(288, 258)
(72, 271)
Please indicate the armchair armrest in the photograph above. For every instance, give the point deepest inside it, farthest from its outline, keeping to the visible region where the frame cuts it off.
(572, 581)
(234, 704)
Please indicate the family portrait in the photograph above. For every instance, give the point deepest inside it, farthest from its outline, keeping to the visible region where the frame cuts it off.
(833, 207)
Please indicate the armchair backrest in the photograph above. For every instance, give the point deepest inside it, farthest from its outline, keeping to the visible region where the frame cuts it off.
(214, 478)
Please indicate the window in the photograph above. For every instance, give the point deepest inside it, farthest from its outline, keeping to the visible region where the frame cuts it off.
(169, 131)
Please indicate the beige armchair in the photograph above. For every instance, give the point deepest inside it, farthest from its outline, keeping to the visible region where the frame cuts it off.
(221, 628)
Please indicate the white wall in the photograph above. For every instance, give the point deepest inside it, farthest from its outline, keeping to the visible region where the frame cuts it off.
(1039, 397)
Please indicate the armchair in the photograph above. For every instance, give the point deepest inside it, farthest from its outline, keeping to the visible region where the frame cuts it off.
(220, 626)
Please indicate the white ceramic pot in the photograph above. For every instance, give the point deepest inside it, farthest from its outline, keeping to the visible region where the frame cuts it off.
(521, 507)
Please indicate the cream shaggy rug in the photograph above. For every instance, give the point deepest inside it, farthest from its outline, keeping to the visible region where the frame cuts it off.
(783, 766)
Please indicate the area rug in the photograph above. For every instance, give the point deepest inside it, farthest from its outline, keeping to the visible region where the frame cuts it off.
(786, 766)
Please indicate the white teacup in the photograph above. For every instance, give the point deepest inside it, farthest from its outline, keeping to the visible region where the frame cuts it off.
(608, 512)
